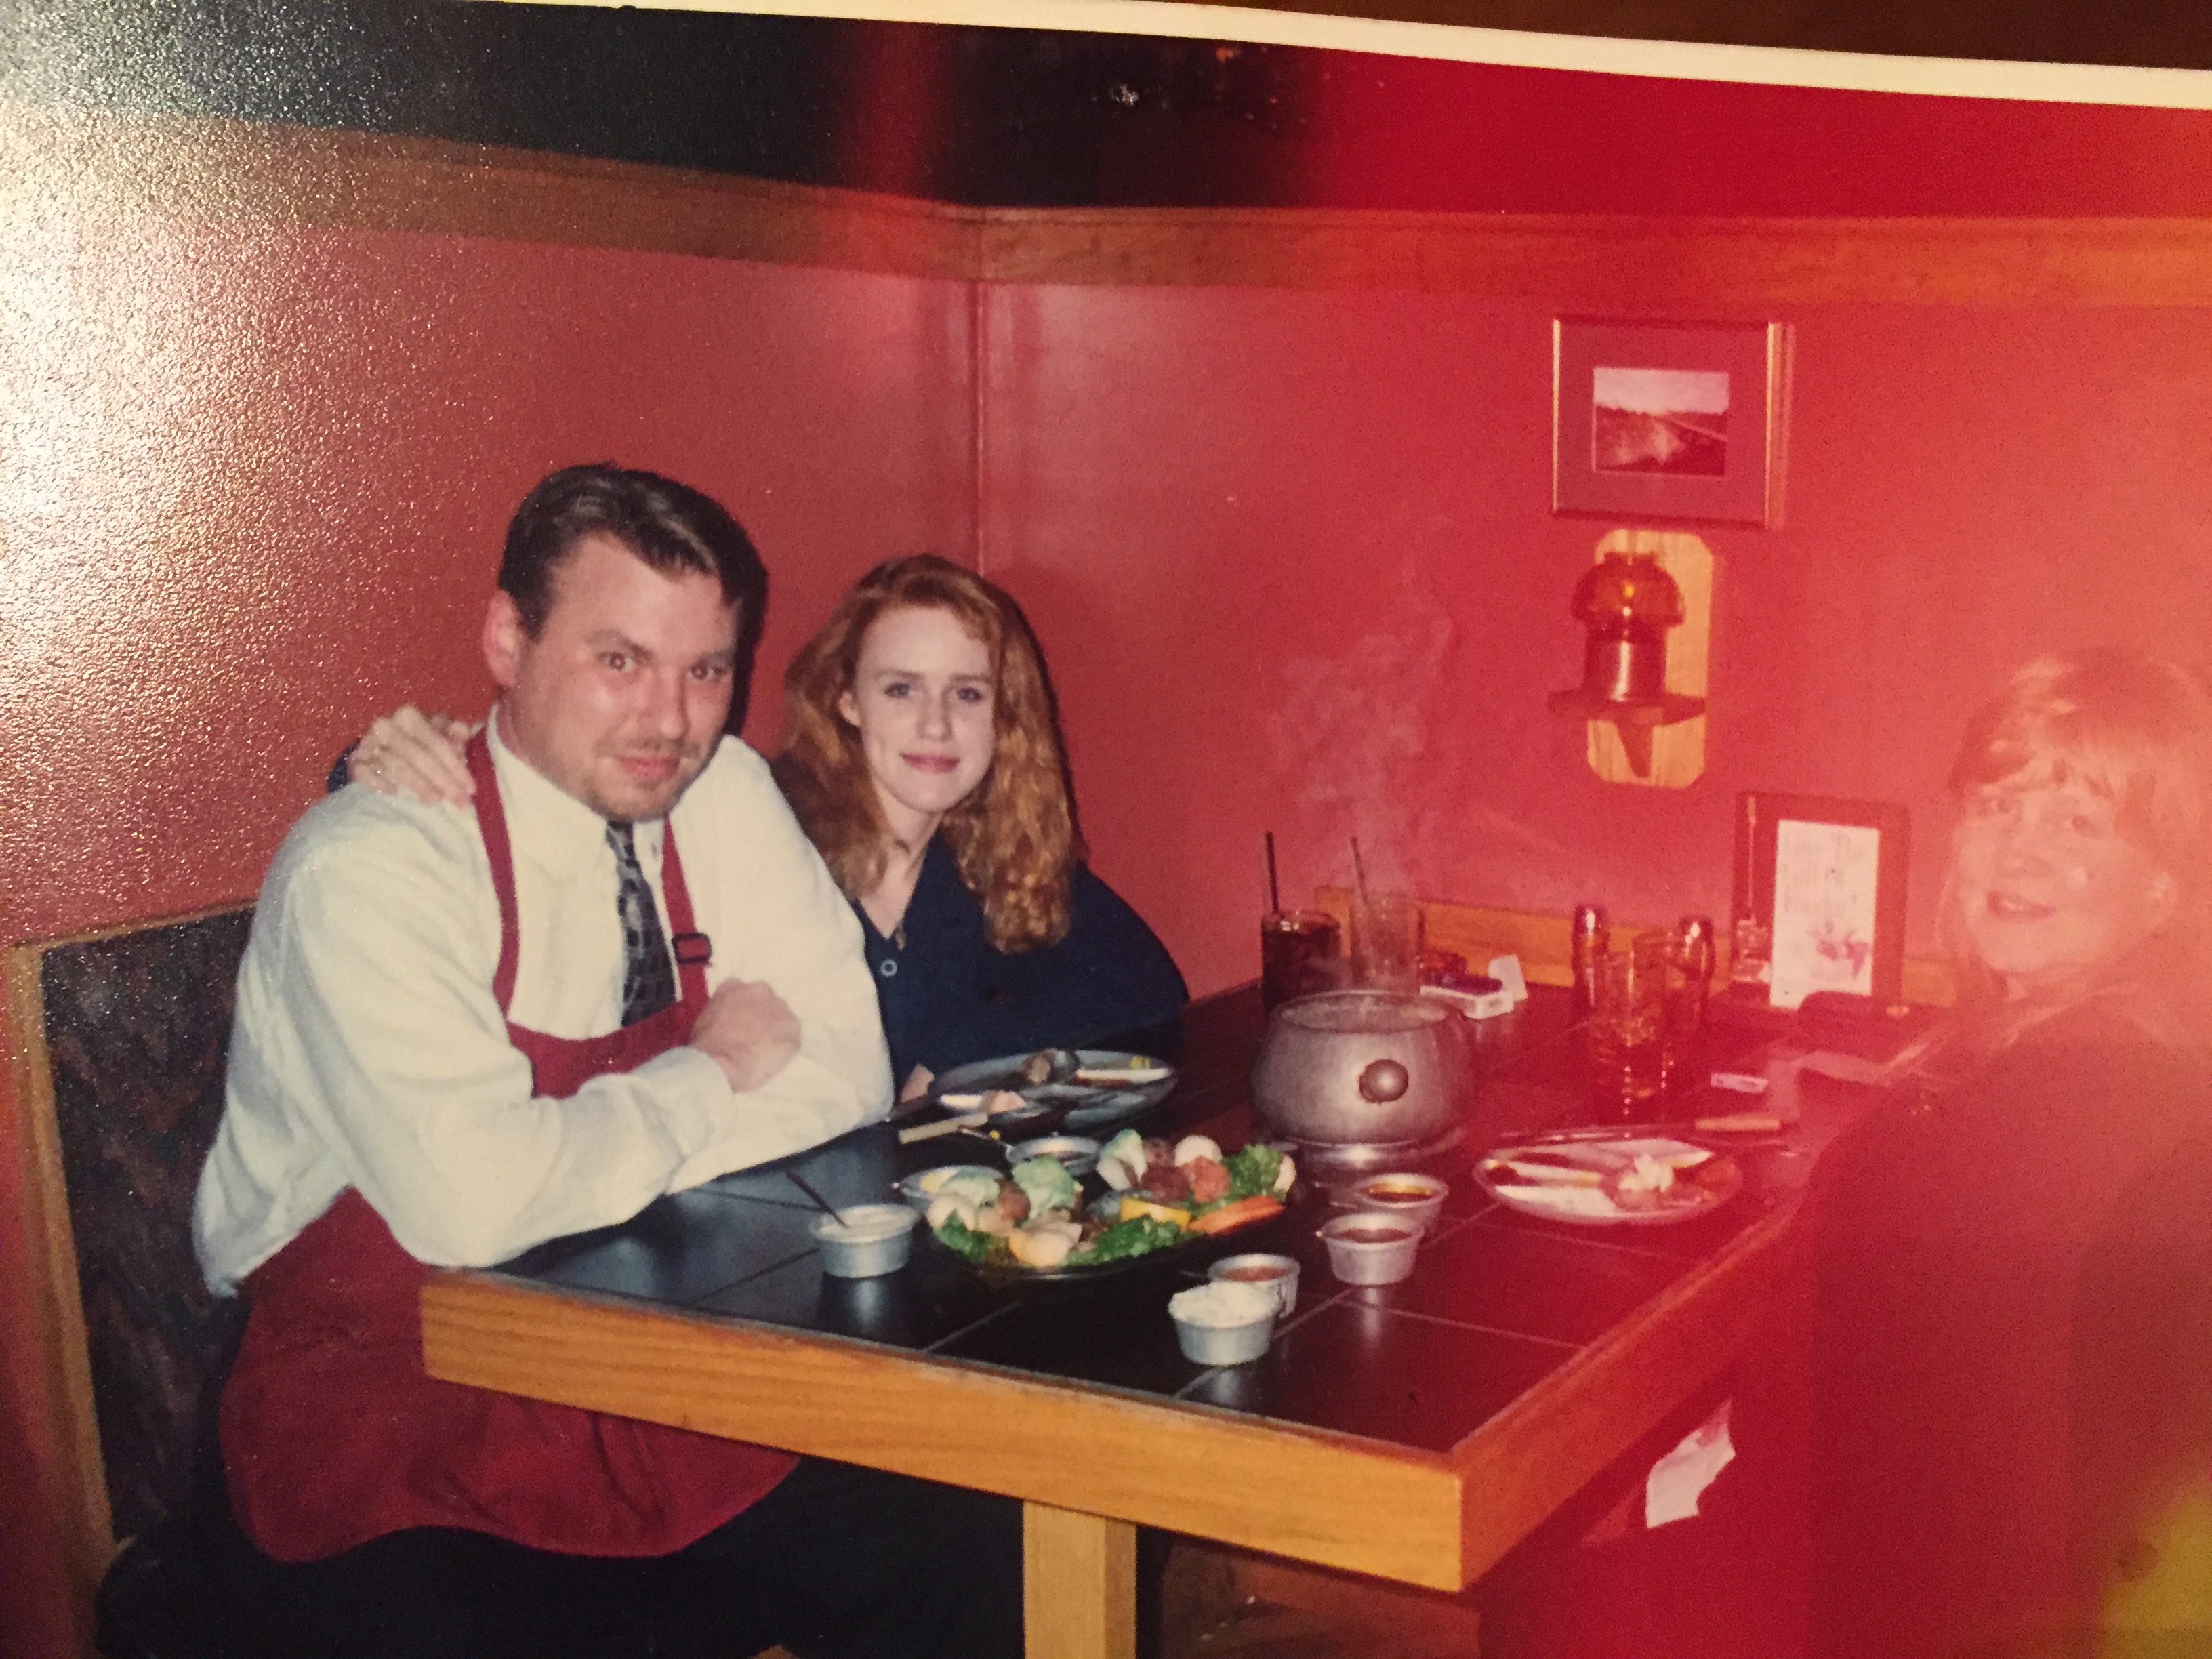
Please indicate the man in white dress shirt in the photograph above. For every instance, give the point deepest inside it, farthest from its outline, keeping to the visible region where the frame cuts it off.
(461, 1032)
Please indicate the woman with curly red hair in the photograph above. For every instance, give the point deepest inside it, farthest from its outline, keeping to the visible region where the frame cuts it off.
(923, 757)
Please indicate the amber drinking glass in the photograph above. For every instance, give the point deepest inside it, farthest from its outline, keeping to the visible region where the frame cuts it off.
(1297, 949)
(1628, 1027)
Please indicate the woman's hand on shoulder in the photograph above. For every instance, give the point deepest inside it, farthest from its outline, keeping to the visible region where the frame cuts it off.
(423, 754)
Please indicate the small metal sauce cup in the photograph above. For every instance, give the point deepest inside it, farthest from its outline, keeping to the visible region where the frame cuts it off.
(1418, 1199)
(878, 1240)
(1383, 1259)
(1276, 1275)
(1223, 1345)
(1204, 1343)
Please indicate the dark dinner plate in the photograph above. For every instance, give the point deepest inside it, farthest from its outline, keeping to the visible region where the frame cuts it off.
(1088, 1108)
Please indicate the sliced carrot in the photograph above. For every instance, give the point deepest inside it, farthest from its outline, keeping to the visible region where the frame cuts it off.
(1237, 1214)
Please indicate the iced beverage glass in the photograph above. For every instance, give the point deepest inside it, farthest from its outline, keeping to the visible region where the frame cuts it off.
(1296, 950)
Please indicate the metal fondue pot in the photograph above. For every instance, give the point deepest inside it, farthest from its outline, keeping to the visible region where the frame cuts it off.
(1354, 1068)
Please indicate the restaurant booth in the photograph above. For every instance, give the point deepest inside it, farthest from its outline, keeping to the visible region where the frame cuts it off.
(1275, 485)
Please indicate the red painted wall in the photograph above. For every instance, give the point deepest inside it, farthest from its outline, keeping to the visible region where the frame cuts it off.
(253, 492)
(262, 480)
(1293, 559)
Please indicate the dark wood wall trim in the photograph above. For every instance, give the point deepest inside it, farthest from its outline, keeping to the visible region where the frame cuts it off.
(235, 170)
(223, 170)
(1618, 263)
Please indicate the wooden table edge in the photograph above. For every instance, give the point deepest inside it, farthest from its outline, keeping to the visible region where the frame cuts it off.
(1600, 1402)
(1395, 1512)
(1436, 1520)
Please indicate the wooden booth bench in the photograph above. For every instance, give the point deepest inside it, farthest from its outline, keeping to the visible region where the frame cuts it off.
(118, 1039)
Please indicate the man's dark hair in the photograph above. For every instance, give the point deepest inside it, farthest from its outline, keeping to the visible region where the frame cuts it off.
(670, 525)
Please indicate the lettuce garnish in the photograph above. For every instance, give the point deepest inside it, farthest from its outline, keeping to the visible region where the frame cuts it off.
(1252, 1171)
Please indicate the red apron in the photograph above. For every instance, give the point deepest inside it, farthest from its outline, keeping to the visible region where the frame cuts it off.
(331, 1433)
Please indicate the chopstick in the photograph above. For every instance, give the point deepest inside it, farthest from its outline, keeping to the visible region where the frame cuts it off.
(1553, 1175)
(943, 1127)
(1740, 1123)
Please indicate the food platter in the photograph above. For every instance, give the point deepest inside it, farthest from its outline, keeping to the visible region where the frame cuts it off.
(1091, 1106)
(1150, 1203)
(1629, 1181)
(1191, 1253)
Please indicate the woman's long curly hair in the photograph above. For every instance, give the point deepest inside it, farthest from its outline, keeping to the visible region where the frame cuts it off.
(2137, 731)
(1014, 837)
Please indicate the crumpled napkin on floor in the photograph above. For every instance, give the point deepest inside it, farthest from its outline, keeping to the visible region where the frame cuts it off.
(1679, 1480)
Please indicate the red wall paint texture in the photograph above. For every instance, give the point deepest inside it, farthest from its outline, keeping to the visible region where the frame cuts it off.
(261, 482)
(1294, 558)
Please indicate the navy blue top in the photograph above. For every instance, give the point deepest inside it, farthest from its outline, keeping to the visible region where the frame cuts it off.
(949, 998)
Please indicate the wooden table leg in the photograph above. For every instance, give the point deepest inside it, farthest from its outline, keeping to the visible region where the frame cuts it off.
(1078, 1585)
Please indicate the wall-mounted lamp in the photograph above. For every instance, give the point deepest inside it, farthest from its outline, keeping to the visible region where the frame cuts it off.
(1629, 603)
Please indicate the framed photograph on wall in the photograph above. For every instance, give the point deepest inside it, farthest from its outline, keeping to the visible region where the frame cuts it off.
(1669, 420)
(1819, 898)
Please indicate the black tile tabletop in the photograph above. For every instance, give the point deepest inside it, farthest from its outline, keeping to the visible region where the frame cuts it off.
(1218, 1036)
(1685, 1241)
(1541, 1022)
(1114, 1331)
(927, 1302)
(855, 1168)
(1361, 1367)
(1496, 1300)
(677, 1250)
(1566, 1289)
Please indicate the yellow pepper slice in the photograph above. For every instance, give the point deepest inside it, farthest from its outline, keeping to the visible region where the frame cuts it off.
(1133, 1207)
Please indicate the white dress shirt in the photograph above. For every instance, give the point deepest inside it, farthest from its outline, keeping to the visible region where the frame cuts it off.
(369, 1051)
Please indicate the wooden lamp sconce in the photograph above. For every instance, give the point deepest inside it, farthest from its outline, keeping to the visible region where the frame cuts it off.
(1648, 604)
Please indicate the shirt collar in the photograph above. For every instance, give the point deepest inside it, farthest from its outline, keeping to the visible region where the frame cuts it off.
(544, 821)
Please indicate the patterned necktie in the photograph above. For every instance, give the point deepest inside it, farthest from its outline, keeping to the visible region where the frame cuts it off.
(649, 978)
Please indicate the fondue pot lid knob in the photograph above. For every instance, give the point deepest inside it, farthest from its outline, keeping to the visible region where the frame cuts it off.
(1384, 1080)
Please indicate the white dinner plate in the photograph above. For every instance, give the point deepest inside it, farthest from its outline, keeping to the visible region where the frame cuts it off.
(1564, 1179)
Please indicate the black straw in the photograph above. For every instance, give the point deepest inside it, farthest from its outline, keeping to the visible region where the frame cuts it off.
(831, 1209)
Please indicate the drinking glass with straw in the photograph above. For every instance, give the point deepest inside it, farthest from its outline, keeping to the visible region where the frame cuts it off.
(1296, 946)
(1386, 934)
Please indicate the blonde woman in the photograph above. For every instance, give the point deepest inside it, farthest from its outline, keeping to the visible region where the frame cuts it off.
(1967, 1424)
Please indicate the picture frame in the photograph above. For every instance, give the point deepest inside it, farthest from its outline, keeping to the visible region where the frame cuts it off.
(1670, 420)
(1819, 898)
